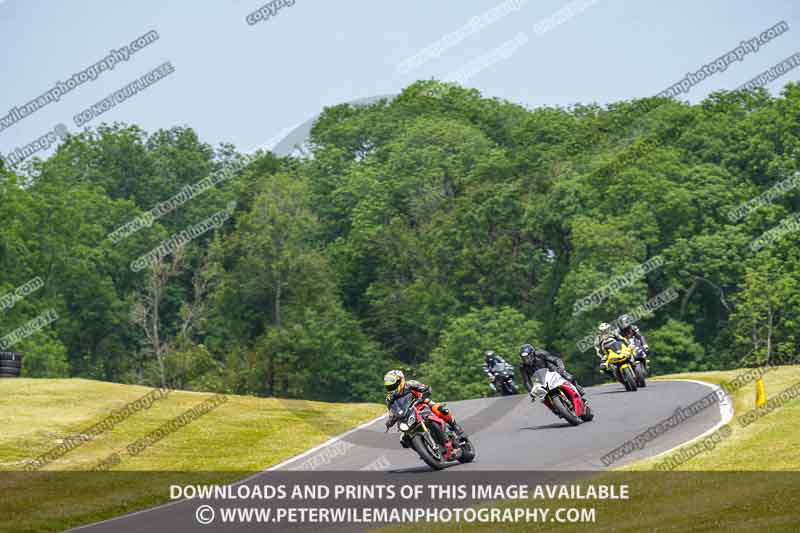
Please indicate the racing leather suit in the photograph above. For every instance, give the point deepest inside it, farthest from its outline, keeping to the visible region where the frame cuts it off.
(544, 359)
(489, 367)
(420, 390)
(602, 344)
(632, 332)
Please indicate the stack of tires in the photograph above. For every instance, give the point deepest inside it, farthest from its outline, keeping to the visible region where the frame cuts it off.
(10, 364)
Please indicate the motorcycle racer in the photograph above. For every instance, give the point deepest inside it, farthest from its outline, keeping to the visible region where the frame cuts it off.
(492, 362)
(606, 337)
(396, 385)
(632, 334)
(534, 359)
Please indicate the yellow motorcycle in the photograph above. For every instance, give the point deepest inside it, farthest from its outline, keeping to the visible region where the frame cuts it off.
(621, 359)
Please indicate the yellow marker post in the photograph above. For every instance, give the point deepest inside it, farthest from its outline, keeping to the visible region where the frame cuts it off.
(761, 395)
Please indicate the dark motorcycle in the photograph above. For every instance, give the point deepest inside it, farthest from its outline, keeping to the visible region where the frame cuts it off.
(429, 435)
(639, 362)
(502, 379)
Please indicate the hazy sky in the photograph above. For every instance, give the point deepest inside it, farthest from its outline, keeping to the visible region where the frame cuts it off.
(244, 84)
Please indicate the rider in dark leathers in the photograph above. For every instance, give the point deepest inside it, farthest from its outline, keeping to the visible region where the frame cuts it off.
(492, 362)
(628, 330)
(534, 359)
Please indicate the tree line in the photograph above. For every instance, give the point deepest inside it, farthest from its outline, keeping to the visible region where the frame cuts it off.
(415, 233)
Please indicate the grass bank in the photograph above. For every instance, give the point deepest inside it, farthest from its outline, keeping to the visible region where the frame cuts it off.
(242, 435)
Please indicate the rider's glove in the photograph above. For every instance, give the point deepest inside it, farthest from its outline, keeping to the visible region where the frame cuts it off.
(603, 365)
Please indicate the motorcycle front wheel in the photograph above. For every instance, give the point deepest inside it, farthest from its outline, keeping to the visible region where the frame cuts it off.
(431, 457)
(629, 379)
(564, 411)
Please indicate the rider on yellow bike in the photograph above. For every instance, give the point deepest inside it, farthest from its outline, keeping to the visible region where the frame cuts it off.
(605, 339)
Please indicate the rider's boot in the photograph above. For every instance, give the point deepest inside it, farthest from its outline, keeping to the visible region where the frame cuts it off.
(580, 390)
(451, 421)
(456, 427)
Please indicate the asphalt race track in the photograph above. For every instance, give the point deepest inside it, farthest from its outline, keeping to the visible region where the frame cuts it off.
(509, 433)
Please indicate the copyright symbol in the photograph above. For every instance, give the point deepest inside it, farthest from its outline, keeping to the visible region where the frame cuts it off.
(204, 515)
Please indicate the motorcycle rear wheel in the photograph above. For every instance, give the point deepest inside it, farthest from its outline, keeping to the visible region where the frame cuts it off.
(640, 375)
(467, 451)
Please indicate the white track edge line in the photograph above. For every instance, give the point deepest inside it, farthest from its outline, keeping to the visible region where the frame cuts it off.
(270, 469)
(334, 440)
(726, 413)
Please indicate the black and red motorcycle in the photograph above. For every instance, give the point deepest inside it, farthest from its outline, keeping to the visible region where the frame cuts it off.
(428, 434)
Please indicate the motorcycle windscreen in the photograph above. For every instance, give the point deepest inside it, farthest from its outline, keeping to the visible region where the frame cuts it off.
(550, 380)
(615, 346)
(401, 405)
(505, 370)
(541, 376)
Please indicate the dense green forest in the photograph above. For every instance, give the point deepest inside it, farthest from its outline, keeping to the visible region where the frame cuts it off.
(417, 233)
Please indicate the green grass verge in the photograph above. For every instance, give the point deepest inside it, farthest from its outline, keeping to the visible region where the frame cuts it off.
(244, 434)
(769, 444)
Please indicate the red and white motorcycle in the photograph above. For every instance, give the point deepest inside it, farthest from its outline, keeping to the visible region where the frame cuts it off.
(560, 396)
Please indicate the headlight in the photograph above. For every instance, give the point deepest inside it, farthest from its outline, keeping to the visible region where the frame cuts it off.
(538, 392)
(411, 420)
(403, 426)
